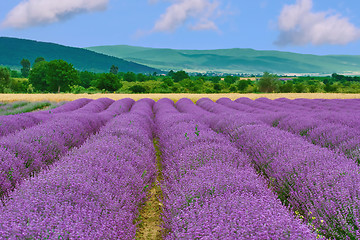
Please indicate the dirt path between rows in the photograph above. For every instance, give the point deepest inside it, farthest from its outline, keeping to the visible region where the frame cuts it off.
(150, 213)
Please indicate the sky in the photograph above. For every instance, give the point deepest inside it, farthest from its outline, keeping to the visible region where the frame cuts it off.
(304, 26)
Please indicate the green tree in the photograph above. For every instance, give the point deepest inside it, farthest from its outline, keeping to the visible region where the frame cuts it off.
(171, 73)
(61, 75)
(233, 88)
(242, 85)
(138, 89)
(230, 79)
(287, 87)
(37, 76)
(86, 78)
(175, 89)
(19, 85)
(130, 77)
(300, 87)
(187, 83)
(268, 83)
(4, 78)
(114, 69)
(330, 87)
(199, 84)
(141, 77)
(180, 75)
(168, 82)
(326, 81)
(217, 87)
(15, 74)
(108, 81)
(38, 59)
(215, 79)
(313, 88)
(25, 70)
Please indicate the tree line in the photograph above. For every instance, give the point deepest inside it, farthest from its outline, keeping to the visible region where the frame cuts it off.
(57, 76)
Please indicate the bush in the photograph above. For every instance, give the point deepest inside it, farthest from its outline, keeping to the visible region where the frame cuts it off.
(129, 77)
(330, 87)
(175, 89)
(300, 88)
(77, 89)
(4, 78)
(217, 87)
(179, 76)
(108, 81)
(242, 85)
(209, 90)
(230, 80)
(232, 88)
(167, 82)
(18, 85)
(138, 89)
(268, 83)
(313, 88)
(92, 90)
(287, 87)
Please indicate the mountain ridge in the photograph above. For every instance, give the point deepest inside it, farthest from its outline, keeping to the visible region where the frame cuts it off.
(233, 60)
(13, 50)
(148, 60)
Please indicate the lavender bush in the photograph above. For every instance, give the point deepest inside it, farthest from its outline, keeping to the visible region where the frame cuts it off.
(334, 131)
(39, 146)
(319, 184)
(80, 171)
(13, 123)
(93, 192)
(210, 189)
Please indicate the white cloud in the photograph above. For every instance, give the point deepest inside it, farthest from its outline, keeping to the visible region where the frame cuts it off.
(204, 25)
(299, 25)
(38, 12)
(181, 11)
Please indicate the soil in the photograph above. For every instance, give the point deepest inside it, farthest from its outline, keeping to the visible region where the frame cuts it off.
(150, 213)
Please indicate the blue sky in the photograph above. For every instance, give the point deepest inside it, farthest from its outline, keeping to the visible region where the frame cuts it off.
(303, 26)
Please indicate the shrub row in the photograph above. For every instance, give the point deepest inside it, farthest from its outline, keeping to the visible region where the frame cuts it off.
(28, 151)
(210, 190)
(322, 186)
(13, 123)
(326, 129)
(94, 191)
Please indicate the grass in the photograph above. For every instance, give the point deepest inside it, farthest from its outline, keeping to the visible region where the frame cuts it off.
(174, 96)
(9, 107)
(28, 108)
(150, 212)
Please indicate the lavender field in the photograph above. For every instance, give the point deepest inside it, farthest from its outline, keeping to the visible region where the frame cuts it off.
(243, 169)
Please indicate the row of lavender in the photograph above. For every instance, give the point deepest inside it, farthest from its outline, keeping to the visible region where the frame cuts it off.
(336, 130)
(202, 171)
(210, 190)
(27, 151)
(312, 105)
(92, 192)
(13, 123)
(316, 182)
(24, 107)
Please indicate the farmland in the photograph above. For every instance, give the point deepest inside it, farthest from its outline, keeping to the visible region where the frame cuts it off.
(173, 96)
(230, 167)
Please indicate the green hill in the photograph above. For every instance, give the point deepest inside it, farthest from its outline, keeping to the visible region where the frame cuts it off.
(13, 50)
(234, 60)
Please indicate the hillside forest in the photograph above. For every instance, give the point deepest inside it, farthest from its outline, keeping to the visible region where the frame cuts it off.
(57, 76)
